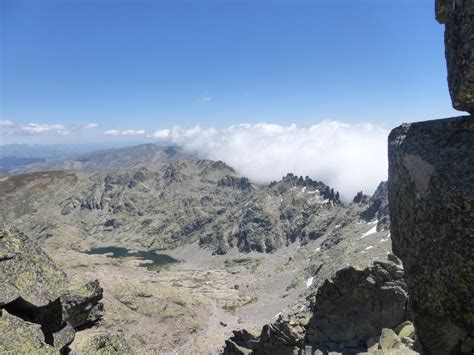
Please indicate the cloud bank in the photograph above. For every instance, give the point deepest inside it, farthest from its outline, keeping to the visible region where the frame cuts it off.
(6, 123)
(12, 128)
(129, 132)
(91, 125)
(347, 157)
(34, 128)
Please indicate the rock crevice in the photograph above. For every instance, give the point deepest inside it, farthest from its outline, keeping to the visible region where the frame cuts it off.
(37, 310)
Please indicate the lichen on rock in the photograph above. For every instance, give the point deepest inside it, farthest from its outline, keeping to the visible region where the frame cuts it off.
(457, 15)
(432, 212)
(27, 272)
(37, 313)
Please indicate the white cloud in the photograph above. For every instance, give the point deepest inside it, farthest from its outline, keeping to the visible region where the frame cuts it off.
(348, 157)
(112, 132)
(205, 98)
(160, 134)
(6, 123)
(91, 125)
(129, 132)
(132, 132)
(35, 128)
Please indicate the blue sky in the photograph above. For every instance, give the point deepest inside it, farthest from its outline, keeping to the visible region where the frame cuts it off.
(140, 66)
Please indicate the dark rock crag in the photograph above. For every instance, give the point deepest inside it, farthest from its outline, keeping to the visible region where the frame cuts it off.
(378, 207)
(350, 312)
(357, 304)
(458, 16)
(431, 193)
(431, 200)
(82, 304)
(37, 312)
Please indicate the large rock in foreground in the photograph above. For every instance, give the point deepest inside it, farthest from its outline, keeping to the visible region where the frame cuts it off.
(37, 312)
(431, 196)
(82, 304)
(26, 271)
(458, 16)
(356, 305)
(351, 310)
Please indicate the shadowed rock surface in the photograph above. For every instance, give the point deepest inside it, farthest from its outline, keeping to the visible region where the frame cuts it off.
(21, 337)
(98, 343)
(431, 194)
(378, 207)
(82, 304)
(26, 272)
(356, 304)
(349, 313)
(458, 16)
(33, 316)
(431, 198)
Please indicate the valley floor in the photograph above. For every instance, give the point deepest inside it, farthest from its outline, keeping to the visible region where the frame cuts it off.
(192, 306)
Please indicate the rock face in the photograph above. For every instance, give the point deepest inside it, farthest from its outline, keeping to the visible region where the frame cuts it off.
(82, 304)
(242, 342)
(458, 16)
(431, 194)
(103, 344)
(378, 207)
(36, 315)
(30, 286)
(356, 304)
(26, 272)
(350, 309)
(286, 336)
(199, 200)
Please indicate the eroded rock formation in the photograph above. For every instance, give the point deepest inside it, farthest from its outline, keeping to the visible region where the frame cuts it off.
(356, 304)
(351, 311)
(431, 193)
(458, 16)
(431, 200)
(37, 313)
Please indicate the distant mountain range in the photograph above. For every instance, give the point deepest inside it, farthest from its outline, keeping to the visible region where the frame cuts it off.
(22, 158)
(247, 252)
(174, 201)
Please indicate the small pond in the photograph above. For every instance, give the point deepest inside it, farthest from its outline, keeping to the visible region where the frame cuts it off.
(156, 261)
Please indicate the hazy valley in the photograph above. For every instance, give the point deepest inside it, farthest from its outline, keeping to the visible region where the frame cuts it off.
(186, 246)
(245, 252)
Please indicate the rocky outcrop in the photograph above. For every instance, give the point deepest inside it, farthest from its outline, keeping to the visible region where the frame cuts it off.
(30, 287)
(257, 231)
(392, 341)
(431, 200)
(349, 313)
(193, 200)
(102, 343)
(21, 337)
(378, 207)
(286, 336)
(37, 314)
(235, 182)
(26, 272)
(431, 194)
(82, 304)
(356, 304)
(241, 342)
(458, 16)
